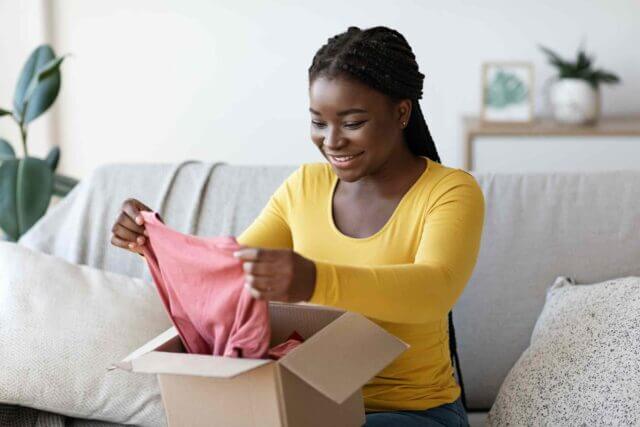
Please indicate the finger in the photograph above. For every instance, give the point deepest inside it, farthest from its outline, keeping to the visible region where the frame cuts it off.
(269, 296)
(125, 245)
(259, 254)
(260, 268)
(116, 241)
(141, 206)
(127, 222)
(263, 284)
(133, 208)
(249, 254)
(126, 234)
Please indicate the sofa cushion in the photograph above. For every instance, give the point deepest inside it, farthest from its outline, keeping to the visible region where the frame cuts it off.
(582, 366)
(477, 419)
(62, 325)
(539, 226)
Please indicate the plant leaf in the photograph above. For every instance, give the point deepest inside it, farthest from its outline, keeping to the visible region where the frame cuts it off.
(52, 158)
(554, 58)
(43, 89)
(583, 62)
(34, 186)
(51, 67)
(47, 70)
(605, 76)
(8, 216)
(6, 150)
(25, 193)
(4, 112)
(40, 56)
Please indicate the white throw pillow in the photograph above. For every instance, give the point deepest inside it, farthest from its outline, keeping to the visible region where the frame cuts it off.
(62, 325)
(582, 366)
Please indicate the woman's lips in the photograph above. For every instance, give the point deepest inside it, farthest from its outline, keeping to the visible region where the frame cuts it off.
(344, 162)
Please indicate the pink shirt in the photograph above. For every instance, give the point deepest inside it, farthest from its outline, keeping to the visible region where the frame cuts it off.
(201, 285)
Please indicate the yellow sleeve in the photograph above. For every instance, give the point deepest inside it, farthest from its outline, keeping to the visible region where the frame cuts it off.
(271, 228)
(427, 289)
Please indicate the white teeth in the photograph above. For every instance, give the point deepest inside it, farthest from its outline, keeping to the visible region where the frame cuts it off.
(343, 158)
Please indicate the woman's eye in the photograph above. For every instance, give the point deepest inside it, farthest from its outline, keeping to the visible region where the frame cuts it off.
(349, 125)
(354, 125)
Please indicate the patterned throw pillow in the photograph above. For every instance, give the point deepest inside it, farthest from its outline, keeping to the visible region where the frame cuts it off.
(582, 367)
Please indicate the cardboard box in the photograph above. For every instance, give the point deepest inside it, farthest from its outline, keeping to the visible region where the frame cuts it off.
(319, 383)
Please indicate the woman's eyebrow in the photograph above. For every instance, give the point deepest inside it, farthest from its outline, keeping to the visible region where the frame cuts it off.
(342, 113)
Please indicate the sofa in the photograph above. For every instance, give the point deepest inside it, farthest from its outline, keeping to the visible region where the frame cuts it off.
(537, 226)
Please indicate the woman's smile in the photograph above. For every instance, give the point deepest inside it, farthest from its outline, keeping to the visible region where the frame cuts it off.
(345, 161)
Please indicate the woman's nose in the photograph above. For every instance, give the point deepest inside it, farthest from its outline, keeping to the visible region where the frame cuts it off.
(334, 141)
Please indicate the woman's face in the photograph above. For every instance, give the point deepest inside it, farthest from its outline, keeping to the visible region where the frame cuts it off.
(350, 119)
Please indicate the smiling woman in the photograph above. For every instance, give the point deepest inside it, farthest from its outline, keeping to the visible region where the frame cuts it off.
(382, 228)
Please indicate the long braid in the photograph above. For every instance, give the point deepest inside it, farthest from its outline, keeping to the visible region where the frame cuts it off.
(381, 58)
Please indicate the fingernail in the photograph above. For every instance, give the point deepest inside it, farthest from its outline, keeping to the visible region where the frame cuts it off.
(146, 233)
(140, 240)
(131, 245)
(139, 219)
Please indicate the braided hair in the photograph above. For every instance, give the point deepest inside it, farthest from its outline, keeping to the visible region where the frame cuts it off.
(382, 59)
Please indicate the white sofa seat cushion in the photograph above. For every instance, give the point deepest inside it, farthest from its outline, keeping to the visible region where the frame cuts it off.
(582, 366)
(62, 325)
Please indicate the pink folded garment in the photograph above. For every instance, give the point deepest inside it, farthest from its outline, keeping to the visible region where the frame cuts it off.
(201, 285)
(294, 340)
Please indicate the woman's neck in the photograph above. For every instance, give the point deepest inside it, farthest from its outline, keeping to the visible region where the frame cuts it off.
(394, 177)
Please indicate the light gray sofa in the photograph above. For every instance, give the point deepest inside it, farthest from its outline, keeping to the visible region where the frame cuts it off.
(537, 227)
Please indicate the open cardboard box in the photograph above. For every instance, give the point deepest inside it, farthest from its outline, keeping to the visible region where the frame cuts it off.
(318, 383)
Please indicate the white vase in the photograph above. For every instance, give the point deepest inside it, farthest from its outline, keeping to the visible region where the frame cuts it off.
(575, 101)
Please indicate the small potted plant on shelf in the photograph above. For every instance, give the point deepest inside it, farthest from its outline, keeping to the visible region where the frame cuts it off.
(575, 93)
(27, 183)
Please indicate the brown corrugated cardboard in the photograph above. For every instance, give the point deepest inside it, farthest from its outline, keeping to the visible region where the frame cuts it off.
(316, 384)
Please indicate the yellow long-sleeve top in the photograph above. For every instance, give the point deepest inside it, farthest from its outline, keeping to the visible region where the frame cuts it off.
(406, 277)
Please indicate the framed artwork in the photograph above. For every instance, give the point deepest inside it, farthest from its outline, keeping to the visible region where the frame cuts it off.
(507, 92)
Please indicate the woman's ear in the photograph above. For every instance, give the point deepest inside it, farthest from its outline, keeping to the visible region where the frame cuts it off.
(403, 109)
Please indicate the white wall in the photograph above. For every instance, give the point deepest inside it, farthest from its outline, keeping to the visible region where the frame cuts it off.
(163, 81)
(23, 26)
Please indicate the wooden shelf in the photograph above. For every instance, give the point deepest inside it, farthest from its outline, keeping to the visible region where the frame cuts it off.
(623, 125)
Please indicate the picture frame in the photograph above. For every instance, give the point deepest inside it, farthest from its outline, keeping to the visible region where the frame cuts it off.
(507, 92)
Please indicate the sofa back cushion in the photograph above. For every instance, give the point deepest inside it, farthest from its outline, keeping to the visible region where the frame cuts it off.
(537, 227)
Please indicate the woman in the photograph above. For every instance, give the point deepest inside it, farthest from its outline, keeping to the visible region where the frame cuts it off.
(382, 228)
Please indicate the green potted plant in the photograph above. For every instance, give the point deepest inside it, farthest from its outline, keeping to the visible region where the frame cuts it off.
(575, 93)
(27, 183)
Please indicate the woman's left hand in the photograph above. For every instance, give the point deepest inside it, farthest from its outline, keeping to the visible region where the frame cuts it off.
(277, 274)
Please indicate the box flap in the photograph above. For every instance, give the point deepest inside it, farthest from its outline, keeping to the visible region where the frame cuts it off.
(169, 340)
(165, 354)
(305, 319)
(344, 356)
(160, 362)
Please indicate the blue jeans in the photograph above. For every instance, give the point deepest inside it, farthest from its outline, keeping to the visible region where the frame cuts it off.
(449, 414)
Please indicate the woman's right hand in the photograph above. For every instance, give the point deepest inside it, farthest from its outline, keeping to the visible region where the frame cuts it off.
(128, 230)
